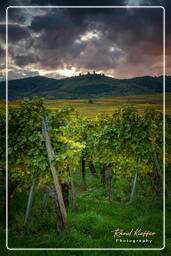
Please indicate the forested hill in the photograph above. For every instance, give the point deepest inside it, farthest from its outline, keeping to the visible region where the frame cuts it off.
(83, 86)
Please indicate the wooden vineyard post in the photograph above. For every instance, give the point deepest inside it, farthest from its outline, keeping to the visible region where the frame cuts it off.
(75, 205)
(83, 173)
(57, 186)
(159, 171)
(30, 201)
(134, 184)
(44, 198)
(103, 174)
(92, 169)
(108, 182)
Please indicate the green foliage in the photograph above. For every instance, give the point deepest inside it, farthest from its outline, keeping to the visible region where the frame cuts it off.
(2, 135)
(118, 140)
(26, 146)
(27, 152)
(114, 141)
(85, 87)
(121, 186)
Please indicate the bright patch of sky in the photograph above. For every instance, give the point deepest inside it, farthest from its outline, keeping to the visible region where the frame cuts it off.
(89, 35)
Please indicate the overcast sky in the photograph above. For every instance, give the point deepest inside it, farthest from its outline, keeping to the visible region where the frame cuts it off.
(58, 42)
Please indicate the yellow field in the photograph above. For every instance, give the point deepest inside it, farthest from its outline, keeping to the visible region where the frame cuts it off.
(109, 105)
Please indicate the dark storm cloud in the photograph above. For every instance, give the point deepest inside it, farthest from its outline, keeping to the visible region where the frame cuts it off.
(127, 38)
(2, 52)
(16, 15)
(16, 33)
(102, 60)
(77, 2)
(57, 35)
(58, 28)
(25, 60)
(60, 32)
(52, 20)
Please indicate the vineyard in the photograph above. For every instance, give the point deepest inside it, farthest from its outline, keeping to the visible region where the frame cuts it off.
(77, 178)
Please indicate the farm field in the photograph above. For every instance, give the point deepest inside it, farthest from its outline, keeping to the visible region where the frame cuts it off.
(108, 105)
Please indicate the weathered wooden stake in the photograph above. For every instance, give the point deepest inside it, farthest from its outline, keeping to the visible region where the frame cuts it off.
(103, 174)
(75, 205)
(134, 184)
(92, 169)
(44, 198)
(73, 193)
(51, 156)
(159, 171)
(30, 201)
(83, 173)
(108, 182)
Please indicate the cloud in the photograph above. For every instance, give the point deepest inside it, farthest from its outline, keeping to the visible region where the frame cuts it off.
(16, 33)
(83, 38)
(62, 34)
(17, 74)
(2, 52)
(24, 60)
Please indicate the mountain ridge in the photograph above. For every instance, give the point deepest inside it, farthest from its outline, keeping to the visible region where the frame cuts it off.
(83, 86)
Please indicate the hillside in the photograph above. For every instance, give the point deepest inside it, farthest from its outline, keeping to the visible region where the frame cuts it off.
(85, 86)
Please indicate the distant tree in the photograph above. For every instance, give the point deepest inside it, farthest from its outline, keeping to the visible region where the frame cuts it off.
(90, 101)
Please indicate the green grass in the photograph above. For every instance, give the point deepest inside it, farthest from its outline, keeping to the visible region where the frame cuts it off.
(90, 227)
